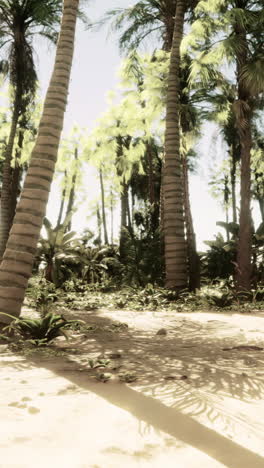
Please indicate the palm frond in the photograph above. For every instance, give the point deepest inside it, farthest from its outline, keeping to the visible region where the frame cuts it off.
(134, 23)
(252, 76)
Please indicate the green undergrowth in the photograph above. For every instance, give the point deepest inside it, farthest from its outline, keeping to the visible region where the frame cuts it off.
(84, 297)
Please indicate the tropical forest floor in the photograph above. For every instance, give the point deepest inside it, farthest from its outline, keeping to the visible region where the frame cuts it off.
(180, 390)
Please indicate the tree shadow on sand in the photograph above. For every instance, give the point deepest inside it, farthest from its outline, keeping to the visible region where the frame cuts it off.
(182, 377)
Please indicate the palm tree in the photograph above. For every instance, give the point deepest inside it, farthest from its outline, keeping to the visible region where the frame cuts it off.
(144, 18)
(250, 82)
(21, 247)
(20, 21)
(73, 182)
(138, 22)
(223, 114)
(241, 44)
(174, 235)
(258, 172)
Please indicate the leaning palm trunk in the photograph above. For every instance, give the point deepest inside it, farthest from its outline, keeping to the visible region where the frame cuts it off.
(6, 216)
(174, 237)
(18, 258)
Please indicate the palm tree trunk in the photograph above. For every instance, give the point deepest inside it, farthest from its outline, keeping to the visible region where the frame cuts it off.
(17, 172)
(99, 225)
(124, 205)
(151, 189)
(6, 215)
(174, 236)
(16, 267)
(112, 216)
(193, 257)
(244, 122)
(72, 191)
(233, 185)
(150, 174)
(122, 240)
(129, 217)
(16, 178)
(161, 201)
(103, 207)
(62, 203)
(244, 264)
(226, 203)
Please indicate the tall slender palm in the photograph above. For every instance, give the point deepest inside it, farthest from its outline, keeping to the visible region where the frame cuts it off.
(223, 114)
(242, 44)
(20, 21)
(144, 18)
(190, 124)
(18, 258)
(174, 236)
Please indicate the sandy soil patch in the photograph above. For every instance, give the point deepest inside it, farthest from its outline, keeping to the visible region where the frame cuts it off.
(195, 398)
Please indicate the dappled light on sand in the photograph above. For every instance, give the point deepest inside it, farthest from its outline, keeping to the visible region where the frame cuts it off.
(195, 399)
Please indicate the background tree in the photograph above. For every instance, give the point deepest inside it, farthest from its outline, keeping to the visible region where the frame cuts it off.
(20, 22)
(239, 44)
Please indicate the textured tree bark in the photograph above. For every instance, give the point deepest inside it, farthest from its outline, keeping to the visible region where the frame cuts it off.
(16, 175)
(161, 202)
(21, 247)
(244, 260)
(244, 124)
(174, 235)
(6, 216)
(233, 186)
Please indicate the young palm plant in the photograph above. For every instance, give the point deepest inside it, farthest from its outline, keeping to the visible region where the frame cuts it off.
(40, 331)
(55, 248)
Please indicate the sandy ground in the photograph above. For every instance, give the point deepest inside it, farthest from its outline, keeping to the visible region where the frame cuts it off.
(195, 403)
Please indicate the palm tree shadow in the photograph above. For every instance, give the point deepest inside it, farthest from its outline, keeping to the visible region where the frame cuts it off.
(163, 418)
(190, 396)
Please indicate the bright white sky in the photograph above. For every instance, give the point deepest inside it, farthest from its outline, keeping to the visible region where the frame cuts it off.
(94, 73)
